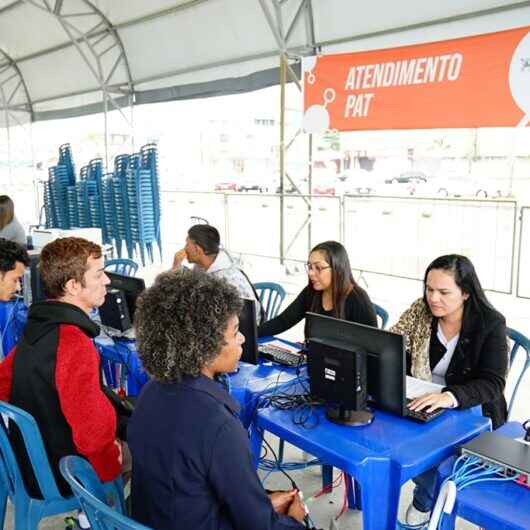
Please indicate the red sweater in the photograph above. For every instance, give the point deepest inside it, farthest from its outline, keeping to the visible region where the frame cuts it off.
(85, 407)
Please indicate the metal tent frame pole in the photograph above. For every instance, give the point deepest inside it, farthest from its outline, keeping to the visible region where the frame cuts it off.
(102, 51)
(274, 11)
(14, 100)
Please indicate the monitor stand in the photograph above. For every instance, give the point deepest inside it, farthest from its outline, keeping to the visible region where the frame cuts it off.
(353, 418)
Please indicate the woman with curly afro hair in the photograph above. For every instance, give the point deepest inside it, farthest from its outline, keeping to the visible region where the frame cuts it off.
(193, 469)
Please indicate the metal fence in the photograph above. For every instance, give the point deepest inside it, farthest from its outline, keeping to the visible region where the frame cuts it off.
(400, 236)
(394, 236)
(523, 268)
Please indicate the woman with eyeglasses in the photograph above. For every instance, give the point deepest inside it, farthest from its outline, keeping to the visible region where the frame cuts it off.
(331, 291)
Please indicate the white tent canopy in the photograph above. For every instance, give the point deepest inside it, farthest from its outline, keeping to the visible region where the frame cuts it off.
(62, 58)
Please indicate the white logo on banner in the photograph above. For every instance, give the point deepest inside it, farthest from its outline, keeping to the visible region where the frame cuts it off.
(316, 117)
(520, 78)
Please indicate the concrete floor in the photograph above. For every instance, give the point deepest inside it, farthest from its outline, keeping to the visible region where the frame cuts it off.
(323, 510)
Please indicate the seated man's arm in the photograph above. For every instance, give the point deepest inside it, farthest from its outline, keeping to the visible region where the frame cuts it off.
(87, 410)
(237, 485)
(6, 376)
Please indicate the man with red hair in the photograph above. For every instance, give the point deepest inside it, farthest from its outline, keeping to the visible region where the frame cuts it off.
(54, 371)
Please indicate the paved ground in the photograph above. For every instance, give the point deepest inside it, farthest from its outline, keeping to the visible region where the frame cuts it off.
(323, 510)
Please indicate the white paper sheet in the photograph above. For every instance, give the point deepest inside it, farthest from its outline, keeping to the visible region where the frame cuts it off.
(419, 387)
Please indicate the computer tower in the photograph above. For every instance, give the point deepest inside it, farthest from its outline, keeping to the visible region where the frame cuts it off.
(114, 312)
(337, 375)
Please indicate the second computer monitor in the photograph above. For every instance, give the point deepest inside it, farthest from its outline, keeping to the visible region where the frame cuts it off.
(385, 351)
(247, 326)
(114, 312)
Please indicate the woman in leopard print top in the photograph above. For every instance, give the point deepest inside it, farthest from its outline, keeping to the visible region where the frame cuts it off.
(455, 337)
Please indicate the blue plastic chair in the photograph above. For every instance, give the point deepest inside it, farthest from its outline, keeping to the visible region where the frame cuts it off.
(28, 510)
(382, 314)
(124, 266)
(271, 296)
(103, 513)
(519, 341)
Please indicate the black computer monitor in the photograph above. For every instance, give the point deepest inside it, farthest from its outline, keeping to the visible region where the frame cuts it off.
(385, 358)
(32, 285)
(247, 326)
(114, 312)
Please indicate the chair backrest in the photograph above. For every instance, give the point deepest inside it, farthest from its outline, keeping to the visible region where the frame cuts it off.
(382, 314)
(519, 341)
(124, 266)
(103, 513)
(271, 296)
(35, 449)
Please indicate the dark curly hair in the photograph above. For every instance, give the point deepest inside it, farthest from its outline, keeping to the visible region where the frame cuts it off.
(180, 322)
(10, 253)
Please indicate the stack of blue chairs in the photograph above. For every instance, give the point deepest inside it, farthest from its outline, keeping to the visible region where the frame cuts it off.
(85, 189)
(49, 209)
(149, 154)
(66, 160)
(109, 213)
(59, 182)
(125, 204)
(73, 216)
(123, 228)
(96, 203)
(141, 211)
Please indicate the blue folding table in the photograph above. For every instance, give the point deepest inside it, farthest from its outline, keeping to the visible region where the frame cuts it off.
(253, 382)
(500, 505)
(381, 456)
(247, 385)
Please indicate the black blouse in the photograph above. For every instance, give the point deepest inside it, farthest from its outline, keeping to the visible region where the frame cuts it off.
(358, 308)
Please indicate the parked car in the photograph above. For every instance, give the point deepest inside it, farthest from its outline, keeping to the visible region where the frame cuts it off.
(225, 186)
(251, 184)
(408, 177)
(458, 186)
(361, 182)
(324, 189)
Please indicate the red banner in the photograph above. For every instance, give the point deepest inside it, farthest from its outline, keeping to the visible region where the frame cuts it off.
(481, 81)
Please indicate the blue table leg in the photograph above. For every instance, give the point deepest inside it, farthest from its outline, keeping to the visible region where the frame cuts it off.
(281, 447)
(354, 492)
(327, 477)
(256, 440)
(380, 489)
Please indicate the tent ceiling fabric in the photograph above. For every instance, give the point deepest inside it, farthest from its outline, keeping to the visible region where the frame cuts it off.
(172, 49)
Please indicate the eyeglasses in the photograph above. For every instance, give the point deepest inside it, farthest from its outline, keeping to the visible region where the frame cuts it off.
(317, 268)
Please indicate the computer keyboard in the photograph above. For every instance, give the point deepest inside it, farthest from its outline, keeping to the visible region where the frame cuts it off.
(281, 356)
(422, 416)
